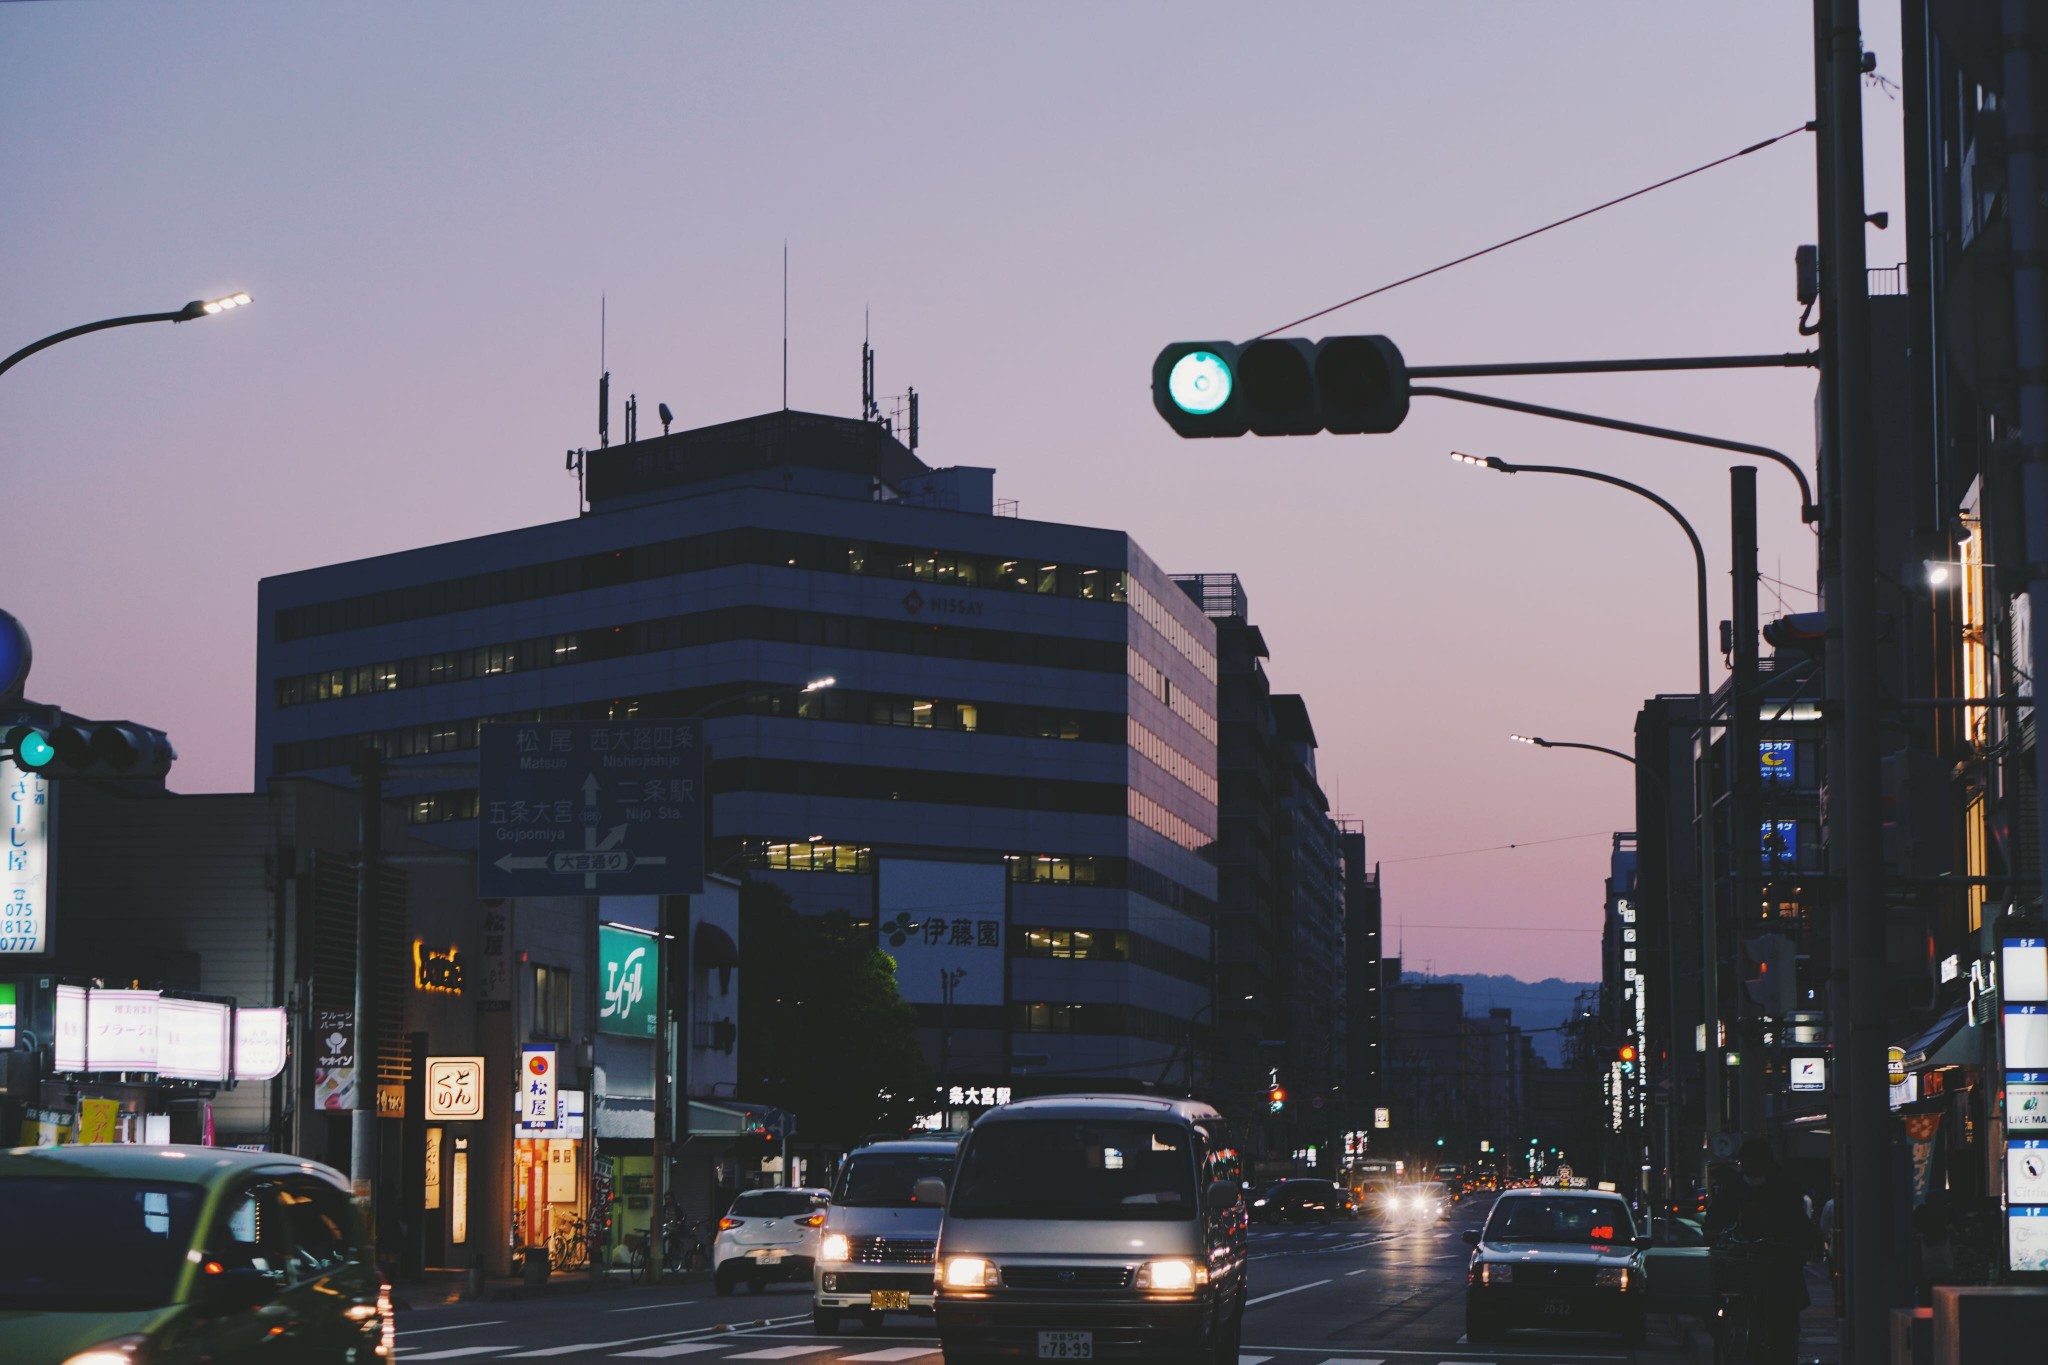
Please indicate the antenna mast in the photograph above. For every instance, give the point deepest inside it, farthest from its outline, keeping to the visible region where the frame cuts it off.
(785, 324)
(604, 381)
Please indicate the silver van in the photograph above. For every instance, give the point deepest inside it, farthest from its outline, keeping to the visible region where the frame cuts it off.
(1093, 1227)
(876, 1248)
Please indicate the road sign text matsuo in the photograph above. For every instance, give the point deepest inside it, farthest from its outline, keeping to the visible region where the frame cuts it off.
(575, 807)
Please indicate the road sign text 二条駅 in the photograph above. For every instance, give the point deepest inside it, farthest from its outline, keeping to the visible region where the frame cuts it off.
(573, 807)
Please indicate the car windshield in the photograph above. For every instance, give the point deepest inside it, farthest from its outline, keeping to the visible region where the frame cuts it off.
(1076, 1168)
(888, 1180)
(1538, 1218)
(93, 1246)
(775, 1204)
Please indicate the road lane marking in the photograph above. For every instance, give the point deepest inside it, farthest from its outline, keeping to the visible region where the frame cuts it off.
(780, 1353)
(673, 1349)
(1252, 1360)
(1352, 1360)
(573, 1349)
(422, 1331)
(1283, 1293)
(897, 1353)
(452, 1353)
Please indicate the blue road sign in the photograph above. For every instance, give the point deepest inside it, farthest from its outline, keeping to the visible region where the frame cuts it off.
(574, 808)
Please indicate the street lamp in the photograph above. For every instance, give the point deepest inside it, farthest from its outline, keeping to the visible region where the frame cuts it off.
(1542, 743)
(1701, 793)
(198, 308)
(666, 1052)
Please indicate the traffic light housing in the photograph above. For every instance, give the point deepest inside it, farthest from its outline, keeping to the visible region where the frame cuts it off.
(1770, 973)
(1276, 1098)
(1625, 1058)
(1281, 386)
(105, 749)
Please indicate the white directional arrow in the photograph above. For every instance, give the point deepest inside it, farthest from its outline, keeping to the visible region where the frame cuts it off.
(508, 863)
(590, 791)
(611, 840)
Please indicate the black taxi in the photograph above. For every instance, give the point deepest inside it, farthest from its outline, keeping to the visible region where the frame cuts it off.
(1555, 1257)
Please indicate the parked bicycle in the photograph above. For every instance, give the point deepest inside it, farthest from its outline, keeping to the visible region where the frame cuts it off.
(1739, 1267)
(682, 1247)
(570, 1247)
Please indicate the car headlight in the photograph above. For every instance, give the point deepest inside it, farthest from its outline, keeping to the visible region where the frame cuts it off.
(971, 1272)
(1611, 1277)
(1496, 1274)
(834, 1246)
(1258, 1203)
(119, 1351)
(1172, 1277)
(1416, 1204)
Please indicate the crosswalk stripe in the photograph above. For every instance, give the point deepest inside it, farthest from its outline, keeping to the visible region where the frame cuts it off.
(1252, 1360)
(449, 1353)
(896, 1353)
(1349, 1360)
(779, 1353)
(672, 1350)
(573, 1349)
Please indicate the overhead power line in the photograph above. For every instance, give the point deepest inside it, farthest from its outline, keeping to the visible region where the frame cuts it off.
(1536, 232)
(1497, 848)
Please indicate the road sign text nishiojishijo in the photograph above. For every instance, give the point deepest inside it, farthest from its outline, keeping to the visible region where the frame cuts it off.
(575, 807)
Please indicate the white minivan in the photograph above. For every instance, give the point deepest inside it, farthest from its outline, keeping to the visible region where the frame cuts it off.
(876, 1247)
(1093, 1227)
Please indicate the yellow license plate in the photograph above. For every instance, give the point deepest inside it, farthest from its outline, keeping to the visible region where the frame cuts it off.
(887, 1300)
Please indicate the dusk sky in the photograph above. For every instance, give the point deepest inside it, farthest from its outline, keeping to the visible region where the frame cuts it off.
(427, 203)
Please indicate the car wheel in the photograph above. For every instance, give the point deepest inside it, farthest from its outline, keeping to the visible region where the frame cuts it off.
(824, 1321)
(726, 1281)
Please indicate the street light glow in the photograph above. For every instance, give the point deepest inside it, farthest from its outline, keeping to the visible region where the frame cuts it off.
(219, 305)
(1938, 573)
(1493, 462)
(820, 684)
(1522, 739)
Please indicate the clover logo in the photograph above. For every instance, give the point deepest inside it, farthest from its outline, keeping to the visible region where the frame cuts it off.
(901, 929)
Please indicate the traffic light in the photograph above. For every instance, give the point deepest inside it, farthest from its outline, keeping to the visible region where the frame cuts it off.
(1625, 1058)
(1770, 973)
(1276, 1098)
(114, 749)
(1281, 386)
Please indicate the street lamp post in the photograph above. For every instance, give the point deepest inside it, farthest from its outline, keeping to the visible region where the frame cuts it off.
(1702, 826)
(198, 308)
(666, 1051)
(1542, 743)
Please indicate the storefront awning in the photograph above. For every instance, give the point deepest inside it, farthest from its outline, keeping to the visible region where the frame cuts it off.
(712, 947)
(1945, 1043)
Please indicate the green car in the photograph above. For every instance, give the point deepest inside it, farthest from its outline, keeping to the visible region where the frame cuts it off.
(146, 1255)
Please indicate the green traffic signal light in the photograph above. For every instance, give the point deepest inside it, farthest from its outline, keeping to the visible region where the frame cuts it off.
(1199, 383)
(32, 748)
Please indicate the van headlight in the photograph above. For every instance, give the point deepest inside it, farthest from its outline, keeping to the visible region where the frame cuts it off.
(1614, 1277)
(834, 1246)
(971, 1272)
(1172, 1277)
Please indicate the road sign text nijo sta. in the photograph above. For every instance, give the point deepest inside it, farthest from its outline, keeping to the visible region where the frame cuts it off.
(573, 807)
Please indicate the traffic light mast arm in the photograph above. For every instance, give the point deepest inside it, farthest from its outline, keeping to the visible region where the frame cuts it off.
(1788, 360)
(1809, 511)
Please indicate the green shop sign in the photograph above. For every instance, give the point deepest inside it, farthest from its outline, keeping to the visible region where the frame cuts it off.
(626, 975)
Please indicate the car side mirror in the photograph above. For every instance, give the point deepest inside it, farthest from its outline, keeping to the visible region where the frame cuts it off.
(231, 1291)
(1471, 1237)
(1222, 1195)
(930, 1190)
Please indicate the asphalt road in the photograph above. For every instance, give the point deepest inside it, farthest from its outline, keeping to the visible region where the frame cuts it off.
(1349, 1294)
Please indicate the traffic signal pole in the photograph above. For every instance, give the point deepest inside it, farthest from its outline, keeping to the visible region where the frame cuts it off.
(362, 1131)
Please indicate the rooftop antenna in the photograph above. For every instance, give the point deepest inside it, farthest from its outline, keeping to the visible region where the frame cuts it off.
(868, 411)
(604, 381)
(785, 324)
(913, 419)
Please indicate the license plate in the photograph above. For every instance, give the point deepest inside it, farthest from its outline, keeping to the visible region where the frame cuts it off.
(1066, 1345)
(769, 1257)
(1556, 1308)
(890, 1300)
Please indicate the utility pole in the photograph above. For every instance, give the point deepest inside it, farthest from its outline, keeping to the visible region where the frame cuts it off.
(1745, 809)
(1862, 1119)
(362, 1133)
(664, 1102)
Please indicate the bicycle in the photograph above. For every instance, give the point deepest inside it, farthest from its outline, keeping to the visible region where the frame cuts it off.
(569, 1249)
(1741, 1269)
(682, 1248)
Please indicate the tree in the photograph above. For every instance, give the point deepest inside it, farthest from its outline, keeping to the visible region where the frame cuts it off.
(823, 1031)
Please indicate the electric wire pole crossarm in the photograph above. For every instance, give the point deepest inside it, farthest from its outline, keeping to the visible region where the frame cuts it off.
(198, 308)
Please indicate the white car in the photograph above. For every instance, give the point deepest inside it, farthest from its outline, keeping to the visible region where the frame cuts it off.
(768, 1235)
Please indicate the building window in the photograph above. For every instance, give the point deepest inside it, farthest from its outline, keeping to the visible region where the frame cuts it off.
(1096, 945)
(551, 1011)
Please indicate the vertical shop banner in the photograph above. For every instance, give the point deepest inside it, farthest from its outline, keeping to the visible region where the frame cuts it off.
(24, 862)
(433, 1176)
(494, 940)
(537, 1088)
(628, 967)
(98, 1120)
(70, 1026)
(458, 1195)
(334, 1059)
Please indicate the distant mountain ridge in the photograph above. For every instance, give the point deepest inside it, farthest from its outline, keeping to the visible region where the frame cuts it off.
(1536, 1004)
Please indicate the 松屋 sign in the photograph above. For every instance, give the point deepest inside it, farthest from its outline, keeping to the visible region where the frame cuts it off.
(24, 862)
(537, 1088)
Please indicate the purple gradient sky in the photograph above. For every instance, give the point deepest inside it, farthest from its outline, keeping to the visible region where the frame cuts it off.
(428, 201)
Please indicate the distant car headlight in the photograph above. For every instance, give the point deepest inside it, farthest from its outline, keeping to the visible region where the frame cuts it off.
(1614, 1277)
(834, 1246)
(1258, 1203)
(1496, 1274)
(1172, 1277)
(970, 1272)
(1417, 1204)
(119, 1351)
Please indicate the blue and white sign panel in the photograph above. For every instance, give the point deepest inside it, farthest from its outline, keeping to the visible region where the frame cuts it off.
(945, 925)
(537, 1089)
(24, 862)
(570, 808)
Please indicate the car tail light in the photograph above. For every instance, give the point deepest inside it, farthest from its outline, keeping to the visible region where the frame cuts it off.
(816, 1220)
(728, 1224)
